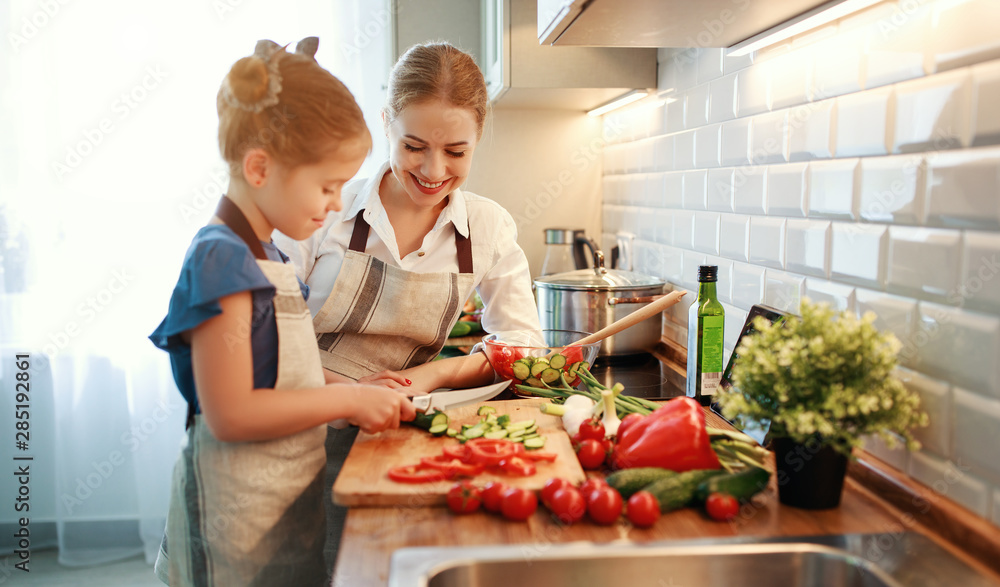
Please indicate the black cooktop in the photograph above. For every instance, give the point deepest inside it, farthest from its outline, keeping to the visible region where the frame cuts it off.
(642, 375)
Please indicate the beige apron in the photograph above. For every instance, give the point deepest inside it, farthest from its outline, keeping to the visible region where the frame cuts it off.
(245, 513)
(381, 317)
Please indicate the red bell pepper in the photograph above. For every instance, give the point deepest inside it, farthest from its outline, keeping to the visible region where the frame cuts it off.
(672, 437)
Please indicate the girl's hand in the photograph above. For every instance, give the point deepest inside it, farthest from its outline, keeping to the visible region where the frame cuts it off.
(381, 408)
(393, 379)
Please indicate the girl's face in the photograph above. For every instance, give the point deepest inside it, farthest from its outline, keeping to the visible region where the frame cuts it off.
(430, 150)
(299, 198)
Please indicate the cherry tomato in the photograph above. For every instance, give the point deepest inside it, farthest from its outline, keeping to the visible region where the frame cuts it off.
(609, 447)
(518, 504)
(592, 428)
(628, 421)
(493, 495)
(604, 505)
(643, 510)
(416, 474)
(568, 505)
(464, 497)
(590, 453)
(551, 487)
(588, 486)
(722, 506)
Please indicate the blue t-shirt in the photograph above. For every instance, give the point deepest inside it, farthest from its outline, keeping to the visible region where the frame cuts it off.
(217, 264)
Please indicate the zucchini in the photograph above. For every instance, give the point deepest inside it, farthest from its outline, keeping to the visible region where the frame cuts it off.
(534, 442)
(742, 485)
(557, 362)
(630, 481)
(678, 490)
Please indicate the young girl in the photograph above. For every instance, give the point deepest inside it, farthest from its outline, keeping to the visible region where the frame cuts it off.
(246, 499)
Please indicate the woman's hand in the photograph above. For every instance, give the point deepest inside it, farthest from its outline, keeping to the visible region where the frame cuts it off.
(391, 379)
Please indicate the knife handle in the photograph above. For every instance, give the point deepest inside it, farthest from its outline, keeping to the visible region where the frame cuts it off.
(421, 403)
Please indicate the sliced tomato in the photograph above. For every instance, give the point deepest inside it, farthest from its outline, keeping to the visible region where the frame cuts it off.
(537, 455)
(416, 474)
(457, 451)
(519, 466)
(490, 451)
(451, 466)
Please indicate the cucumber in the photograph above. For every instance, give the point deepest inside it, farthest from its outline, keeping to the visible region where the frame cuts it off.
(520, 424)
(557, 362)
(476, 431)
(486, 410)
(438, 430)
(452, 432)
(574, 368)
(501, 433)
(534, 382)
(549, 375)
(461, 328)
(678, 491)
(538, 367)
(534, 442)
(428, 421)
(742, 485)
(504, 420)
(521, 370)
(629, 481)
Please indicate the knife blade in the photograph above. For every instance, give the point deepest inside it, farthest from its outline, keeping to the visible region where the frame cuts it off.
(445, 399)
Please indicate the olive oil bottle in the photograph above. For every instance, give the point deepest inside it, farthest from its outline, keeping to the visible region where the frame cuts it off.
(706, 325)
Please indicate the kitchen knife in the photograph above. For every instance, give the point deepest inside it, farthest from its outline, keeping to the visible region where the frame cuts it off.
(444, 399)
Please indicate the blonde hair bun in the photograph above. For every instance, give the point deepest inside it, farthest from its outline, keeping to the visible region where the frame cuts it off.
(248, 79)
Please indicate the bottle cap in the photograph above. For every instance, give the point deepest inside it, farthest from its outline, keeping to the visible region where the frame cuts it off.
(708, 273)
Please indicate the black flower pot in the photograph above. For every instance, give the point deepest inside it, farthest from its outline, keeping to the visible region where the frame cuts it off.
(810, 475)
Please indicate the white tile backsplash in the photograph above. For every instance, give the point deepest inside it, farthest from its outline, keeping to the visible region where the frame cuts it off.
(891, 189)
(810, 131)
(767, 241)
(924, 263)
(736, 142)
(977, 439)
(859, 165)
(786, 190)
(734, 237)
(864, 123)
(949, 97)
(807, 246)
(962, 188)
(831, 187)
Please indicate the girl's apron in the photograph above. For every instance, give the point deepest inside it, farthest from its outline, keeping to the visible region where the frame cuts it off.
(380, 317)
(245, 513)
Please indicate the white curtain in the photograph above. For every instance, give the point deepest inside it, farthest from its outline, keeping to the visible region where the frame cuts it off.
(108, 166)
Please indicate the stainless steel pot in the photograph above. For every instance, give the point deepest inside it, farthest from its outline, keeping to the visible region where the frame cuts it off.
(590, 299)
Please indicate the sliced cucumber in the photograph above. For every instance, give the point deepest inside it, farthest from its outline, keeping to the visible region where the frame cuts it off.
(438, 430)
(520, 424)
(501, 433)
(534, 382)
(557, 362)
(535, 442)
(504, 420)
(452, 432)
(538, 367)
(521, 370)
(486, 410)
(549, 375)
(476, 431)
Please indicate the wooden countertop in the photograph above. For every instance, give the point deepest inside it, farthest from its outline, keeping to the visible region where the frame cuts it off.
(371, 535)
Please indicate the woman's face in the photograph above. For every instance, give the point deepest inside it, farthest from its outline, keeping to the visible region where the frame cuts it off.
(430, 150)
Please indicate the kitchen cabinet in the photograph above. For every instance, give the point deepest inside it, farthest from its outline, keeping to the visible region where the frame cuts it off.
(661, 23)
(522, 73)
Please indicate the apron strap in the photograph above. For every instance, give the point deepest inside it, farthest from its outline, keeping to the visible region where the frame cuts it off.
(359, 241)
(231, 215)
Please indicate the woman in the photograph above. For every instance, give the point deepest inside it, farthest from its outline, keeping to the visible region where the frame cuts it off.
(390, 272)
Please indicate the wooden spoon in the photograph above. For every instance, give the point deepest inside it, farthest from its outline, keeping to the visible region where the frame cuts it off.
(639, 315)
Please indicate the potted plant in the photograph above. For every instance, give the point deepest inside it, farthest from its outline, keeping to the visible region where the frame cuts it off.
(824, 381)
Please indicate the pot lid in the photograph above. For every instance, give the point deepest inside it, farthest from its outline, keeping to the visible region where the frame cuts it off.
(599, 279)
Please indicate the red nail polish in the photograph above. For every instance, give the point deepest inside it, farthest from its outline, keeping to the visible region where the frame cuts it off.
(408, 382)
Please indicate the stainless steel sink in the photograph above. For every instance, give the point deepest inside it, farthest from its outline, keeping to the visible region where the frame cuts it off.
(854, 560)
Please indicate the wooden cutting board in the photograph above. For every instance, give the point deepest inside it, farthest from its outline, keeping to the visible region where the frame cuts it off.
(363, 480)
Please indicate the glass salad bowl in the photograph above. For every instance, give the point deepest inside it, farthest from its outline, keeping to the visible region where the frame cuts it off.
(538, 357)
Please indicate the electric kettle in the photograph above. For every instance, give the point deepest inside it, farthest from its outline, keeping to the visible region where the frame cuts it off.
(566, 250)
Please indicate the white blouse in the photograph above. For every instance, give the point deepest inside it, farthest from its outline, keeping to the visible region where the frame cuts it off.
(501, 271)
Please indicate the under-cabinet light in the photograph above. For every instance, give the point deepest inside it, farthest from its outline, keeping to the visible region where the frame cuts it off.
(811, 19)
(618, 102)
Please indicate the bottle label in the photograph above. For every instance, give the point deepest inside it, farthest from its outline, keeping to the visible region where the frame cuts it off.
(712, 328)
